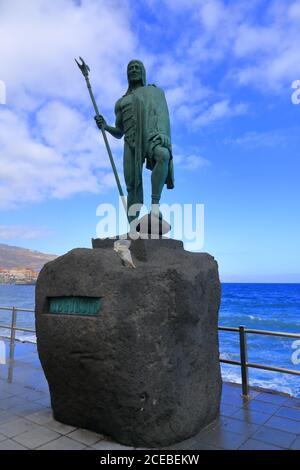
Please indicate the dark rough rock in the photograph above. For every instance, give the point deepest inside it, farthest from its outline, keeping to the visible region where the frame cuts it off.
(141, 249)
(146, 370)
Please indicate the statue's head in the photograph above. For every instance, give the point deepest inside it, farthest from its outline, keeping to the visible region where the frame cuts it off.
(136, 72)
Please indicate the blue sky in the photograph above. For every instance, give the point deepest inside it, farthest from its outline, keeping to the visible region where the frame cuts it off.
(227, 68)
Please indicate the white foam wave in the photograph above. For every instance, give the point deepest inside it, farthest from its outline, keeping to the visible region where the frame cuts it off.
(275, 382)
(230, 355)
(26, 338)
(21, 337)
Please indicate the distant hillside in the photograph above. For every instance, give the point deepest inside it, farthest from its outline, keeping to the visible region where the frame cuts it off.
(15, 257)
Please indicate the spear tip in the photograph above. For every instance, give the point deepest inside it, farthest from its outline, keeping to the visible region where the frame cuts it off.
(83, 66)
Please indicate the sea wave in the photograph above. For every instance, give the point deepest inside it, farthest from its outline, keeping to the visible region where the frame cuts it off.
(276, 382)
(230, 355)
(21, 337)
(258, 306)
(252, 317)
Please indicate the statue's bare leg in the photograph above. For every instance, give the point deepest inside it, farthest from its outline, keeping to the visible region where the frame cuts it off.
(159, 175)
(133, 196)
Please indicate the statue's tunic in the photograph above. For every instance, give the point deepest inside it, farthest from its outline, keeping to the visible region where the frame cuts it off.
(144, 116)
(129, 123)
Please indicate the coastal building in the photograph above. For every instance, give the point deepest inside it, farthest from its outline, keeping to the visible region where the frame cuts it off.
(21, 275)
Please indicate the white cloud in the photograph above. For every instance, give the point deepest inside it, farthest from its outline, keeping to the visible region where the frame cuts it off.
(256, 42)
(69, 131)
(49, 148)
(187, 160)
(49, 144)
(275, 138)
(11, 232)
(191, 162)
(43, 38)
(269, 53)
(32, 170)
(211, 13)
(219, 110)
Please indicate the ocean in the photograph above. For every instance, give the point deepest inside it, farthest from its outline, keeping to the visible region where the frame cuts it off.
(261, 306)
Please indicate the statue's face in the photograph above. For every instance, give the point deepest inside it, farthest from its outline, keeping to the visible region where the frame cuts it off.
(135, 72)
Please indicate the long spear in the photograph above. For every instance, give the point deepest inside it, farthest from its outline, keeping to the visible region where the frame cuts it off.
(85, 71)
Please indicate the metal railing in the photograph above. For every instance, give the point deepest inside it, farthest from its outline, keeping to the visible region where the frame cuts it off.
(244, 364)
(242, 331)
(13, 329)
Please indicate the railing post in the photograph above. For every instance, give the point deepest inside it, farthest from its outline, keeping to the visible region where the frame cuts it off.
(12, 343)
(244, 360)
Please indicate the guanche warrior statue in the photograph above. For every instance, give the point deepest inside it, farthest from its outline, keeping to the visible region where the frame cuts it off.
(142, 117)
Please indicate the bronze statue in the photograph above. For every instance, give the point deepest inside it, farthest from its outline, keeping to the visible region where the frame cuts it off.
(142, 117)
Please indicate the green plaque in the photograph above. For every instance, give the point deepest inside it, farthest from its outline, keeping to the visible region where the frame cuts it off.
(87, 306)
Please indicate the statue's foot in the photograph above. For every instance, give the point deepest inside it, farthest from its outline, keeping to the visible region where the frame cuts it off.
(155, 211)
(156, 214)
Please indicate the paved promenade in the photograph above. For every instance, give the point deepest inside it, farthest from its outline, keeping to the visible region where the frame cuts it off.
(265, 421)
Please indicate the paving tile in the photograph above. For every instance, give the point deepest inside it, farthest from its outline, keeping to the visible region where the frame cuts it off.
(240, 417)
(252, 444)
(63, 443)
(61, 428)
(194, 442)
(236, 391)
(27, 408)
(85, 436)
(36, 437)
(240, 427)
(275, 437)
(231, 391)
(41, 417)
(263, 407)
(274, 398)
(7, 415)
(4, 394)
(291, 413)
(296, 444)
(10, 444)
(187, 444)
(12, 389)
(44, 401)
(251, 416)
(224, 439)
(284, 424)
(199, 446)
(33, 395)
(293, 403)
(228, 410)
(227, 386)
(232, 400)
(109, 445)
(16, 427)
(190, 444)
(12, 402)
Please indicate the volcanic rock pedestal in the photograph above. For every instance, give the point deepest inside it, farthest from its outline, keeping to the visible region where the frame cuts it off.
(131, 353)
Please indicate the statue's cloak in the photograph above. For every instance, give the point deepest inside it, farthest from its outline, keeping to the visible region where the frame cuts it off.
(151, 115)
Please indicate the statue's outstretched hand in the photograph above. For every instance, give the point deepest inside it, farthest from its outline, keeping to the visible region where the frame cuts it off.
(100, 121)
